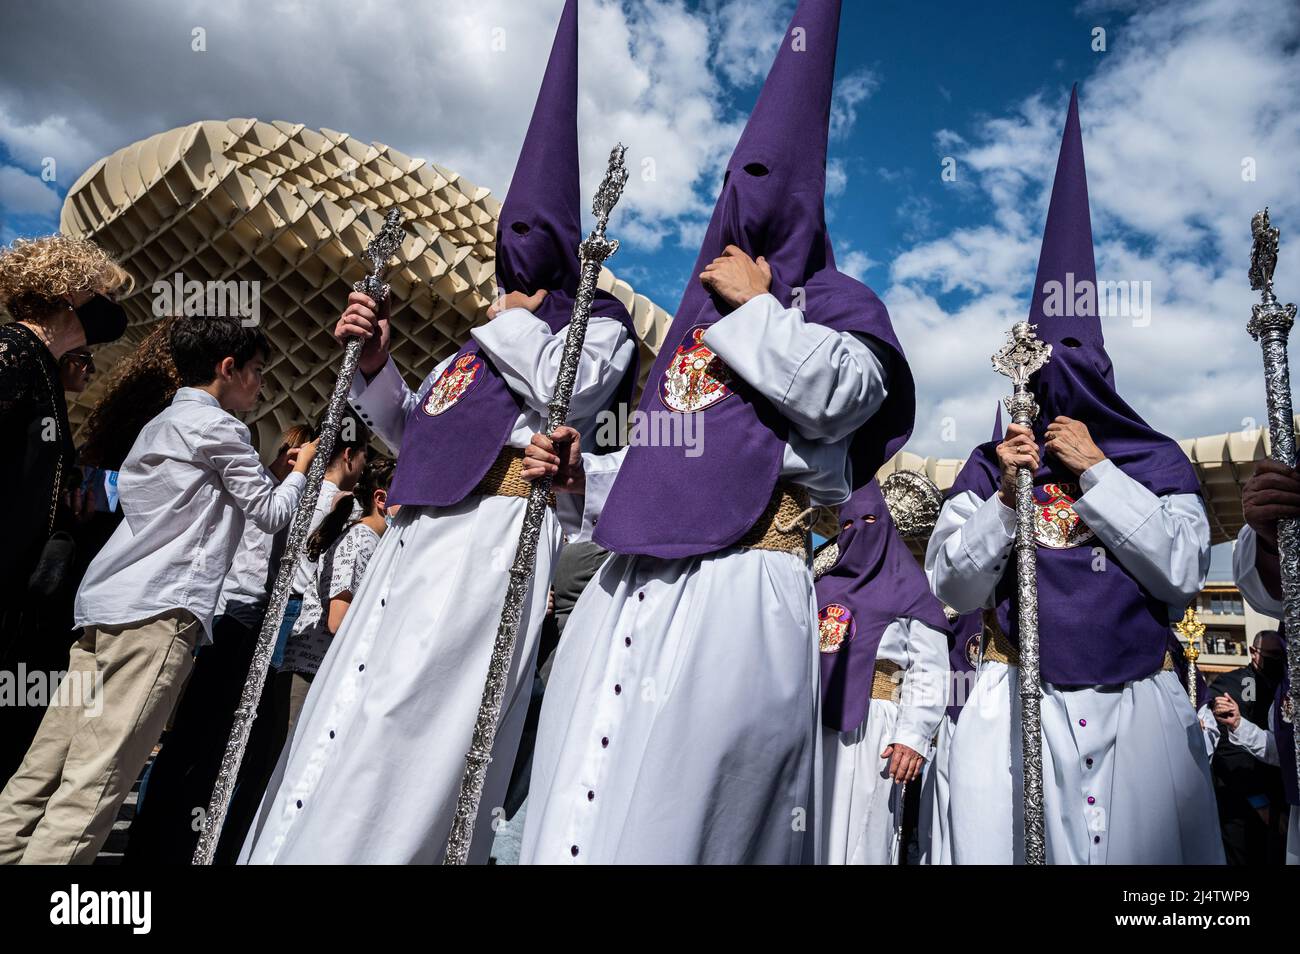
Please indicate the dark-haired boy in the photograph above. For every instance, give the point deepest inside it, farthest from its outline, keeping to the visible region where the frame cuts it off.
(187, 487)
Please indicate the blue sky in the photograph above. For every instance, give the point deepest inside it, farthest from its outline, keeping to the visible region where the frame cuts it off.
(1185, 93)
(935, 65)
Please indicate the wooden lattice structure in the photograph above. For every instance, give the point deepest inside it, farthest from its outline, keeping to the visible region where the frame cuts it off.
(291, 208)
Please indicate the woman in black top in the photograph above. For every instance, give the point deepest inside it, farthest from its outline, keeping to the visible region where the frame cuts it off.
(57, 291)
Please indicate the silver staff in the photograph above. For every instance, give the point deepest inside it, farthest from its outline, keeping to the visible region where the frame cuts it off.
(1270, 324)
(593, 252)
(382, 247)
(1021, 356)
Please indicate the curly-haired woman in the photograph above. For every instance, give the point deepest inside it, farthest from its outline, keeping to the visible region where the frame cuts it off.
(58, 291)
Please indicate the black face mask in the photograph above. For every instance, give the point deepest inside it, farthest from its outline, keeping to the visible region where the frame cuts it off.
(102, 319)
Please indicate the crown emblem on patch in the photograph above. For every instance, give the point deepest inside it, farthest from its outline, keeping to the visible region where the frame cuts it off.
(1056, 523)
(696, 378)
(834, 627)
(453, 384)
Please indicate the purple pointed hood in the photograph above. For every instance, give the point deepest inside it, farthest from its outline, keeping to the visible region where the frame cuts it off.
(540, 225)
(1097, 628)
(456, 431)
(773, 204)
(1079, 381)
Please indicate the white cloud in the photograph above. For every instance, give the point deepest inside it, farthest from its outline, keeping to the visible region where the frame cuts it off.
(837, 178)
(24, 194)
(744, 42)
(450, 81)
(854, 262)
(1186, 93)
(850, 92)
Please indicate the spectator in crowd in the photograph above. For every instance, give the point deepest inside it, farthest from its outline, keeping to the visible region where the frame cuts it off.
(187, 487)
(75, 369)
(183, 775)
(347, 461)
(1248, 790)
(340, 548)
(140, 387)
(58, 292)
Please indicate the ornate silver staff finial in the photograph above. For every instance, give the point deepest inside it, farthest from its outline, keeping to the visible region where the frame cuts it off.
(1022, 355)
(1270, 324)
(381, 248)
(610, 189)
(1268, 316)
(593, 251)
(914, 502)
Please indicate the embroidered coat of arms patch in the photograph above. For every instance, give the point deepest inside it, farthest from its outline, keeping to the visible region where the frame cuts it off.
(453, 384)
(696, 378)
(834, 627)
(1056, 523)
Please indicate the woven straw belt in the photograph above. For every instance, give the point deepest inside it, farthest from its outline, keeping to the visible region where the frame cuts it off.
(998, 648)
(885, 683)
(505, 478)
(784, 525)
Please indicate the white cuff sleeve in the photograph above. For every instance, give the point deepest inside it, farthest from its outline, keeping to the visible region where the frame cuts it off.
(382, 403)
(600, 470)
(826, 383)
(1247, 576)
(1258, 742)
(969, 549)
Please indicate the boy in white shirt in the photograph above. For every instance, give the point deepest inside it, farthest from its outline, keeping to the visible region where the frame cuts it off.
(191, 481)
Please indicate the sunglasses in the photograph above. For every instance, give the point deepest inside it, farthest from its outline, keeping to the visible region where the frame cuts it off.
(84, 360)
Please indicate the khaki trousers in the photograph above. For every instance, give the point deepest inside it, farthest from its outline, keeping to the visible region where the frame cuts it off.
(60, 806)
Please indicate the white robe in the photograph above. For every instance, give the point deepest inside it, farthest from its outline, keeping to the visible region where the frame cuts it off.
(680, 723)
(372, 770)
(1125, 773)
(934, 828)
(1260, 743)
(862, 807)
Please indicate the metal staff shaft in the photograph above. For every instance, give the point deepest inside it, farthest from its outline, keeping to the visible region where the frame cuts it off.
(593, 252)
(379, 251)
(1270, 325)
(1024, 354)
